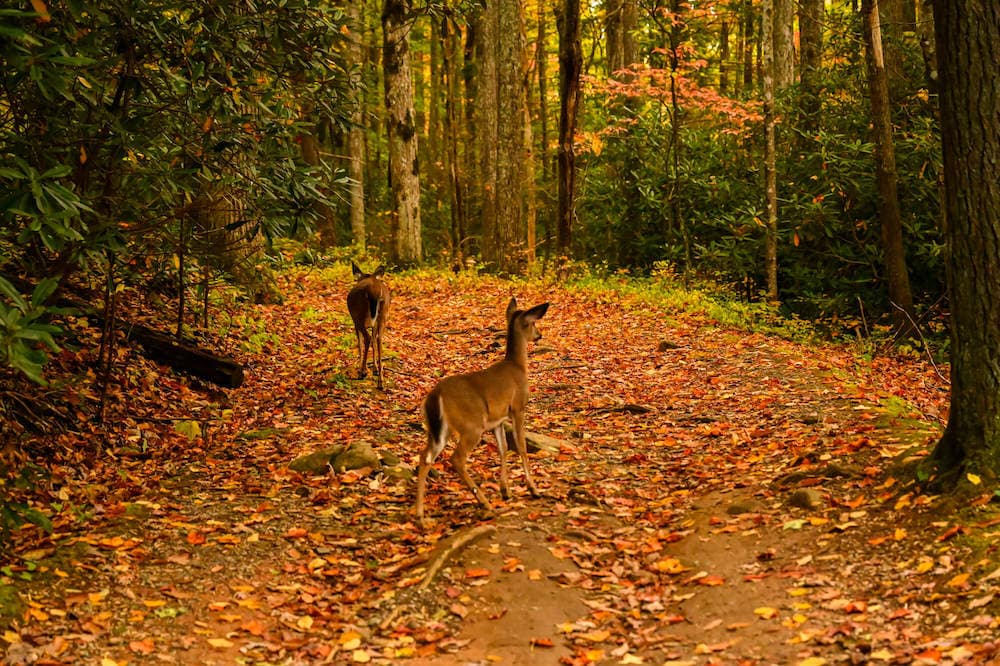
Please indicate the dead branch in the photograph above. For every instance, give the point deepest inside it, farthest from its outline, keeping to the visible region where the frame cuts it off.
(455, 546)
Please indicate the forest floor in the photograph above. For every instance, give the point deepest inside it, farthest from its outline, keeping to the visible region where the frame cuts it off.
(713, 497)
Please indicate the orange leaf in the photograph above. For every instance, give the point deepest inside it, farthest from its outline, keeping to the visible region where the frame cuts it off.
(711, 581)
(195, 538)
(145, 646)
(542, 642)
(477, 573)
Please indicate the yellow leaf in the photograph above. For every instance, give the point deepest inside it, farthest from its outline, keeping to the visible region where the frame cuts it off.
(153, 603)
(925, 566)
(596, 636)
(765, 612)
(350, 640)
(304, 622)
(812, 661)
(670, 565)
(959, 581)
(108, 662)
(10, 637)
(220, 643)
(595, 655)
(973, 479)
(631, 659)
(360, 657)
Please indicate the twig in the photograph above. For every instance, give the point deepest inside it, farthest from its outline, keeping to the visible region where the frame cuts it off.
(456, 545)
(930, 357)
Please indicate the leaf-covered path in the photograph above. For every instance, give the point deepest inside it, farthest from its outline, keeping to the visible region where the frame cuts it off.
(711, 496)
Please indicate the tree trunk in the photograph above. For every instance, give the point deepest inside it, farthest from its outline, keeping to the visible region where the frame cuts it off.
(811, 40)
(749, 21)
(543, 119)
(885, 171)
(770, 176)
(724, 56)
(570, 65)
(510, 231)
(968, 41)
(676, 215)
(782, 44)
(619, 22)
(356, 134)
(402, 135)
(455, 193)
(487, 129)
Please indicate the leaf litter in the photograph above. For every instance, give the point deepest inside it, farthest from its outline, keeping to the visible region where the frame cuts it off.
(712, 496)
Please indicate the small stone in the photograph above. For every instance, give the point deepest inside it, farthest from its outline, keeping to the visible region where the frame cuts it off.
(806, 498)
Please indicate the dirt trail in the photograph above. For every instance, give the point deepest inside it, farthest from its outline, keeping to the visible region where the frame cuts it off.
(668, 532)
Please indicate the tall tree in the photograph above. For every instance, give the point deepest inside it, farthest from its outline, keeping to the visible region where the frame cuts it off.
(890, 218)
(452, 114)
(811, 42)
(356, 134)
(509, 239)
(770, 175)
(783, 16)
(404, 176)
(968, 47)
(570, 66)
(619, 23)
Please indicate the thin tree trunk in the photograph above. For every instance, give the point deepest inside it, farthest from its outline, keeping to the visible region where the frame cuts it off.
(724, 56)
(885, 171)
(487, 128)
(402, 134)
(455, 194)
(543, 119)
(570, 65)
(770, 176)
(676, 215)
(811, 40)
(749, 21)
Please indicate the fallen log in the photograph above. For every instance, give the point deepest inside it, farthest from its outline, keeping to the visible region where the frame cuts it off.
(160, 347)
(168, 350)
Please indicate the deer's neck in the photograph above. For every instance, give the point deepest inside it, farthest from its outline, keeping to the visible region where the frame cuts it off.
(517, 348)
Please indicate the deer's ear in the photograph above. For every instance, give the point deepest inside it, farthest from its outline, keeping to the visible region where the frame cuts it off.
(357, 271)
(536, 312)
(379, 272)
(511, 308)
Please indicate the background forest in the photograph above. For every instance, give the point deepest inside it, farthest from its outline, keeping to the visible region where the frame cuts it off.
(154, 144)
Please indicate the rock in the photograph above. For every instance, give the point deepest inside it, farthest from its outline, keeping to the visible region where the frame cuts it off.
(807, 498)
(388, 458)
(357, 455)
(400, 472)
(738, 508)
(316, 462)
(666, 345)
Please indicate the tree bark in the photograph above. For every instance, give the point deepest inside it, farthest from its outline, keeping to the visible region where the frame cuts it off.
(356, 134)
(570, 66)
(511, 225)
(749, 21)
(782, 44)
(404, 175)
(452, 103)
(487, 128)
(968, 41)
(811, 14)
(897, 276)
(543, 120)
(724, 56)
(770, 176)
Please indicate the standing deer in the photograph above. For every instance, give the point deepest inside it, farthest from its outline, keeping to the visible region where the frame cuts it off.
(368, 303)
(471, 404)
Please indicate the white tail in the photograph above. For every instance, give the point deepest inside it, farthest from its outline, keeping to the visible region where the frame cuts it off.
(471, 404)
(368, 303)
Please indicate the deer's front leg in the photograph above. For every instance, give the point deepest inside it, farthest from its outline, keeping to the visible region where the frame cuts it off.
(522, 450)
(501, 437)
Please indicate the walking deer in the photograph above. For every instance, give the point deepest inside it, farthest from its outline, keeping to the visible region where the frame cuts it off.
(471, 404)
(368, 303)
